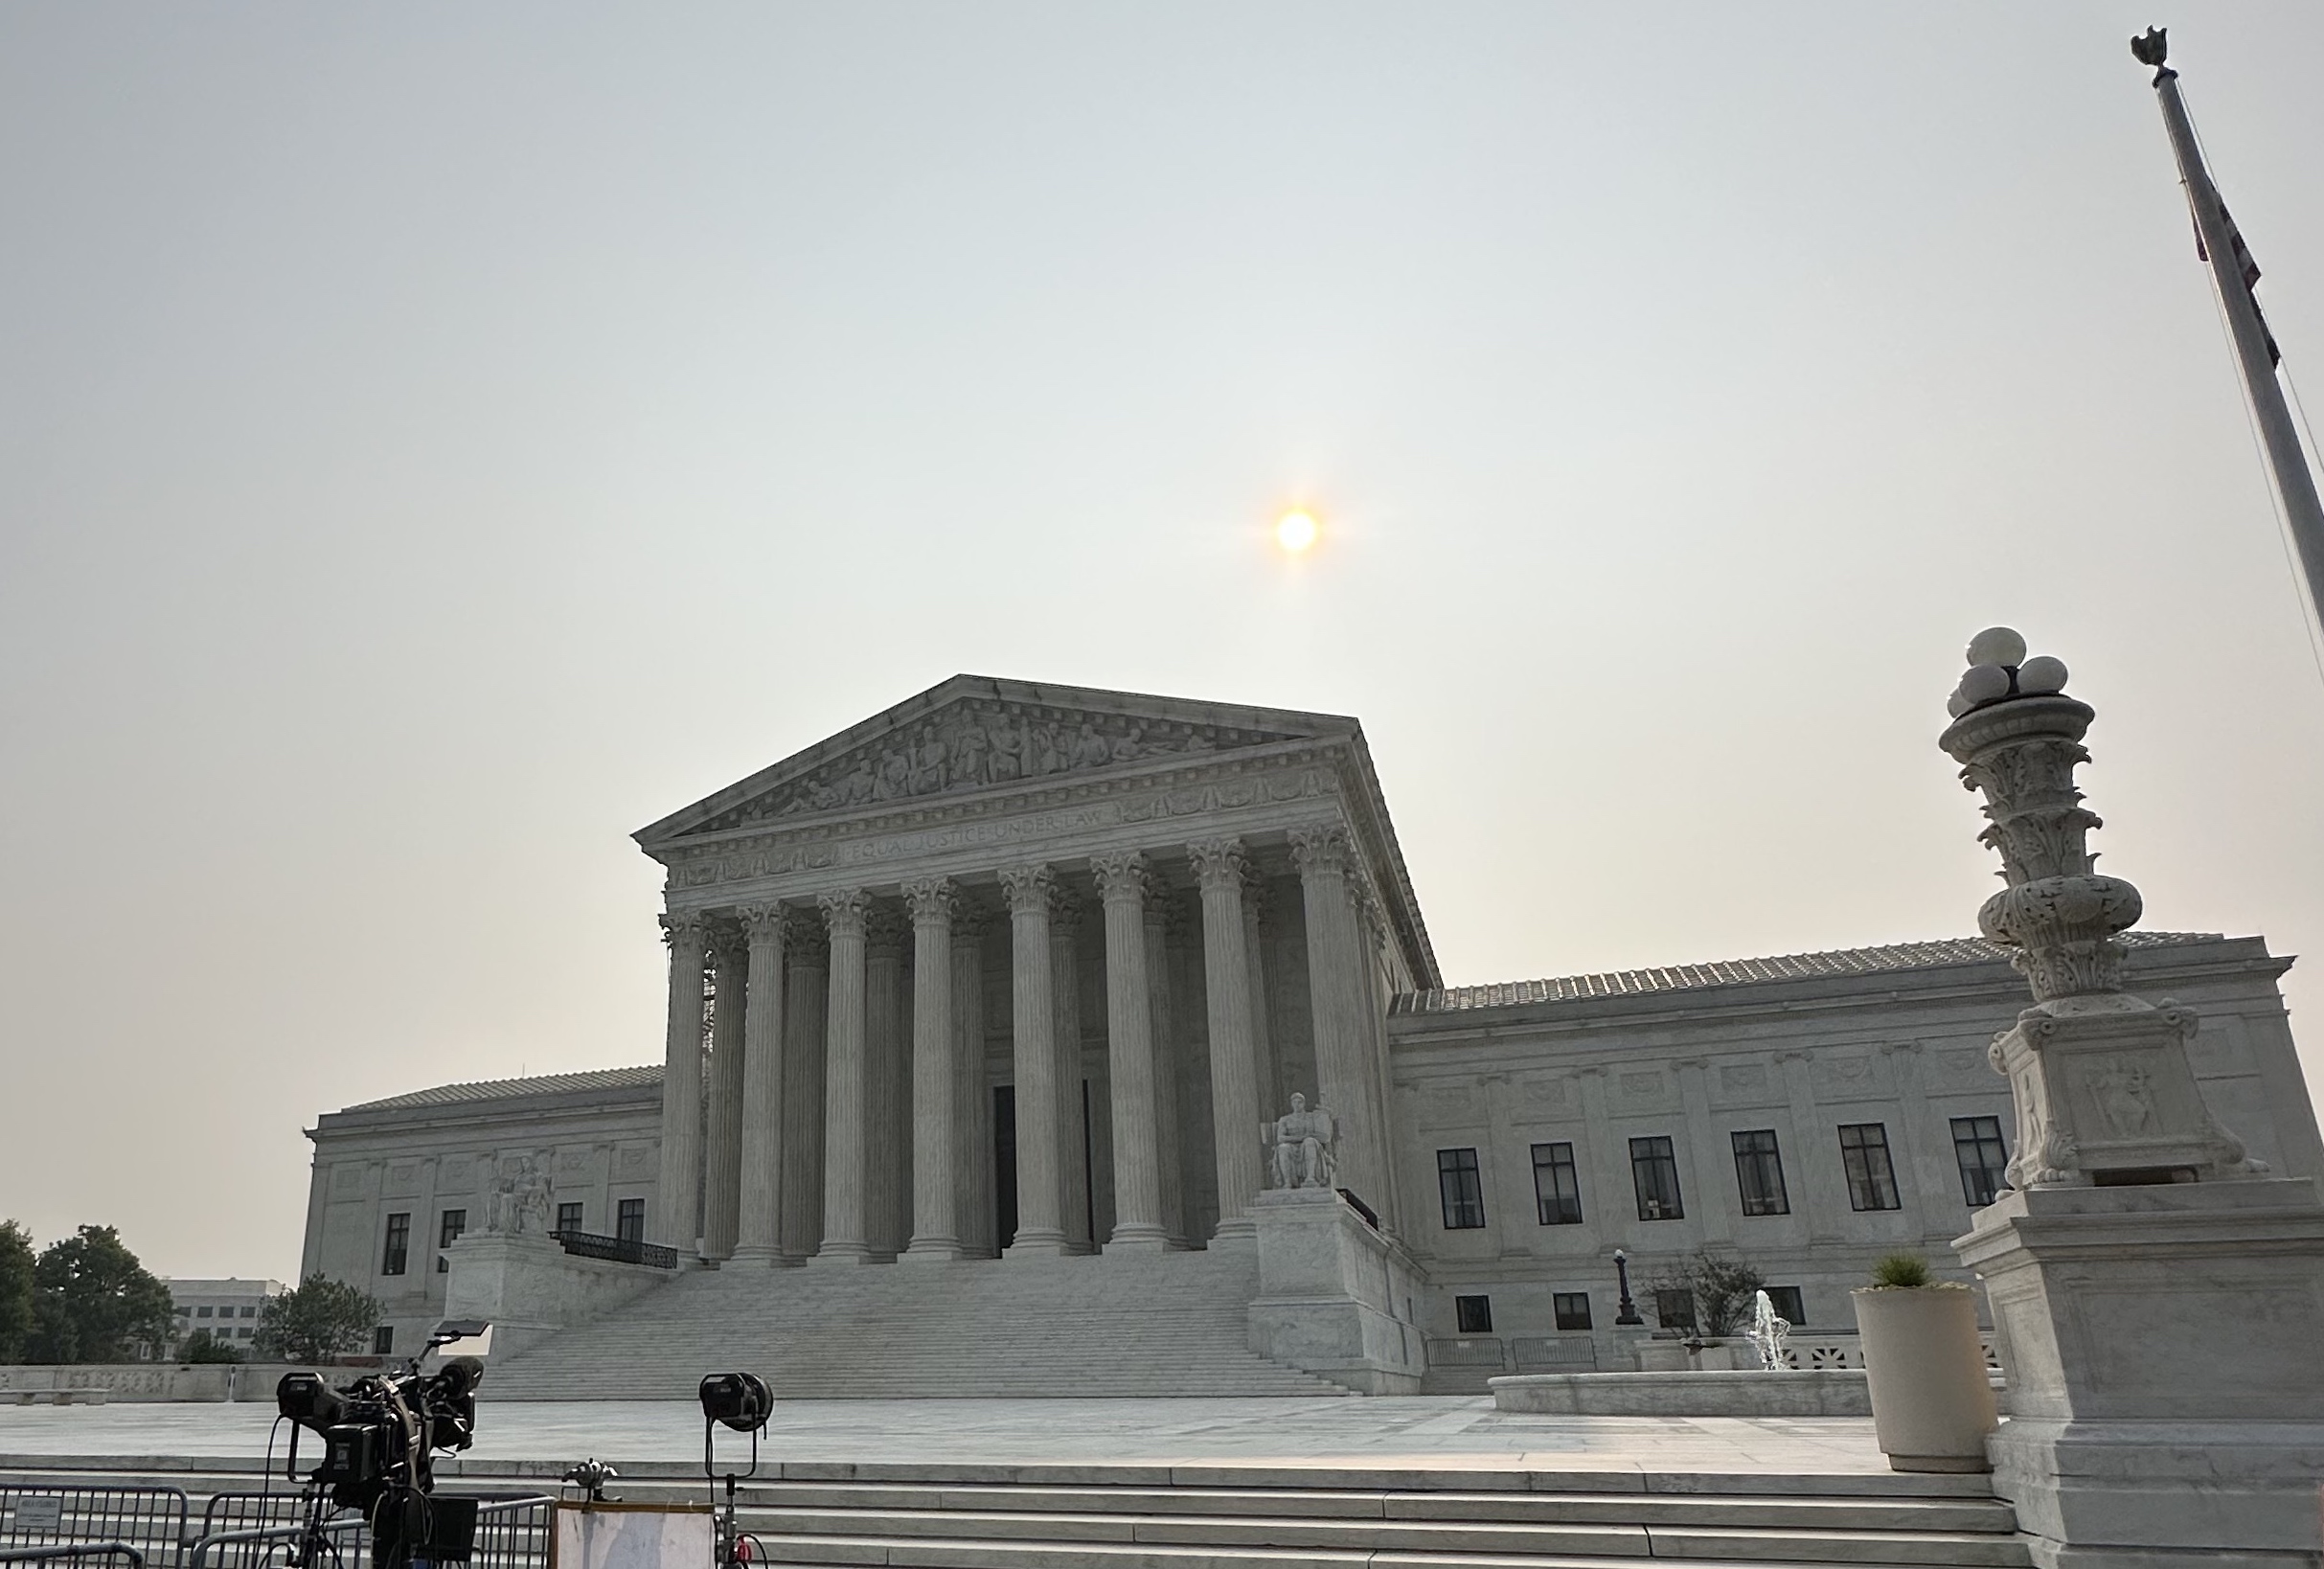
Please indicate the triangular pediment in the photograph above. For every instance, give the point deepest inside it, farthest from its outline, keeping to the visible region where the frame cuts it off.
(977, 732)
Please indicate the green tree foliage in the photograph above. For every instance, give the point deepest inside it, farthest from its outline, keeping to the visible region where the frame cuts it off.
(321, 1319)
(16, 1289)
(92, 1301)
(202, 1346)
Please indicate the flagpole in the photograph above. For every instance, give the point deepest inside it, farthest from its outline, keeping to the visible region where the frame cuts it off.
(2287, 462)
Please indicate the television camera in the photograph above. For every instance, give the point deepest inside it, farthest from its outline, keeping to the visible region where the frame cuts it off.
(379, 1434)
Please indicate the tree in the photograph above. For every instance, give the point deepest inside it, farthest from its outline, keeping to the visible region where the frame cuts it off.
(16, 1289)
(1717, 1291)
(320, 1320)
(202, 1346)
(92, 1301)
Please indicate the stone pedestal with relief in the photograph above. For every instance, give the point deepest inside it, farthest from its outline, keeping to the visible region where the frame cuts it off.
(1336, 1296)
(2157, 1296)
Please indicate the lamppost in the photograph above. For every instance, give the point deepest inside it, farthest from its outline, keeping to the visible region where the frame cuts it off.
(1627, 1312)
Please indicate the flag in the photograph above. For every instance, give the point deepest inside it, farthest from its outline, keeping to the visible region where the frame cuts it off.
(2250, 271)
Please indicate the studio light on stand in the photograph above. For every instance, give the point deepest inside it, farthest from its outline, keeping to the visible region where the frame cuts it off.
(742, 1401)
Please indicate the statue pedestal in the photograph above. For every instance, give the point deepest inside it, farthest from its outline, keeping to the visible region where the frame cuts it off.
(527, 1287)
(1336, 1298)
(2165, 1350)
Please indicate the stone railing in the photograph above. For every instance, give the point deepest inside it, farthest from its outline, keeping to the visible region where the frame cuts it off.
(1811, 1351)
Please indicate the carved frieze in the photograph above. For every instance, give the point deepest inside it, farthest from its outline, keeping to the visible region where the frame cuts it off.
(1085, 809)
(979, 743)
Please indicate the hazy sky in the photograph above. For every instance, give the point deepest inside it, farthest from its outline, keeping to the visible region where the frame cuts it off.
(436, 439)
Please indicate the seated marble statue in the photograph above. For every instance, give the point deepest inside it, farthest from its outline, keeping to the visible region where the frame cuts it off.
(1302, 1147)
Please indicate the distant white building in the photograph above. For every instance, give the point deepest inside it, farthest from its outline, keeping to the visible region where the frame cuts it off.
(228, 1308)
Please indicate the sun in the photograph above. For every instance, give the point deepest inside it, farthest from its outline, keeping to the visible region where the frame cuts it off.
(1296, 529)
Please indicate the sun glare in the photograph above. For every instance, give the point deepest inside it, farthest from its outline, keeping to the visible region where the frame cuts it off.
(1295, 531)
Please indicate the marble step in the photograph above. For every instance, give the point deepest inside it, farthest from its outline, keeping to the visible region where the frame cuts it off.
(927, 1553)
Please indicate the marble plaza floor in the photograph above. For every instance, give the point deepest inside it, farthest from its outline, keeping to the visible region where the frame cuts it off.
(1438, 1434)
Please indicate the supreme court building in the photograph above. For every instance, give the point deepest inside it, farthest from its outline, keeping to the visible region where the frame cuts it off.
(1020, 972)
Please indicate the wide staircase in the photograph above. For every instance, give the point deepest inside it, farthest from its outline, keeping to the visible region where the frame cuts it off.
(1170, 1324)
(1099, 1516)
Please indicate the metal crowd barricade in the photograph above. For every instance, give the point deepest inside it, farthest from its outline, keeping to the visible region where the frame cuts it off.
(512, 1533)
(275, 1544)
(148, 1521)
(75, 1552)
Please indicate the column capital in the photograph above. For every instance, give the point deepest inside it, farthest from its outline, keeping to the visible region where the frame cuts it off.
(690, 928)
(844, 912)
(1125, 877)
(764, 923)
(728, 939)
(1373, 919)
(885, 928)
(803, 933)
(1219, 863)
(1320, 850)
(1028, 888)
(971, 919)
(931, 900)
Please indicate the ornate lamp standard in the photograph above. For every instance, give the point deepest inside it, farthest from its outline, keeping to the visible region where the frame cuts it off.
(1627, 1312)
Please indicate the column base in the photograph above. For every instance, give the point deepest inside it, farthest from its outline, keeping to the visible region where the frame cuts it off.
(841, 1253)
(932, 1250)
(1131, 1238)
(1036, 1244)
(757, 1258)
(1238, 1231)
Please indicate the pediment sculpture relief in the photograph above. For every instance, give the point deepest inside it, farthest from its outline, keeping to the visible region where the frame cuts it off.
(969, 745)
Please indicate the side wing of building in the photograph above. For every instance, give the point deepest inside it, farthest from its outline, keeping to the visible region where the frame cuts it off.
(1808, 1114)
(394, 1180)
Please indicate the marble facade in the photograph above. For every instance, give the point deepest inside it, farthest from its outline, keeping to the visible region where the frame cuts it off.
(1013, 972)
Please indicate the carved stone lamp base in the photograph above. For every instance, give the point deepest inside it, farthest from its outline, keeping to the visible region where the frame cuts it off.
(2105, 1095)
(2165, 1383)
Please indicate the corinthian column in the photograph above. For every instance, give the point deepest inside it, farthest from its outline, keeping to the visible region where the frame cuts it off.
(1065, 976)
(758, 1228)
(1335, 984)
(844, 1236)
(679, 1185)
(722, 1161)
(935, 1087)
(1039, 1211)
(1169, 1132)
(1220, 868)
(805, 990)
(1137, 1179)
(973, 1096)
(887, 1091)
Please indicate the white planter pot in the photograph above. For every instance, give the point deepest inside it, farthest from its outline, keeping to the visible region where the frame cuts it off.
(1931, 1404)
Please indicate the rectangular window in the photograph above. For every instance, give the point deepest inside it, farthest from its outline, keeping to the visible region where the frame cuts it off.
(1675, 1309)
(1572, 1309)
(630, 1223)
(1871, 1177)
(450, 1226)
(241, 1334)
(1786, 1303)
(1473, 1314)
(1463, 1193)
(383, 1340)
(202, 1312)
(1759, 1172)
(569, 1218)
(1655, 1174)
(1557, 1190)
(1977, 1146)
(398, 1244)
(250, 1313)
